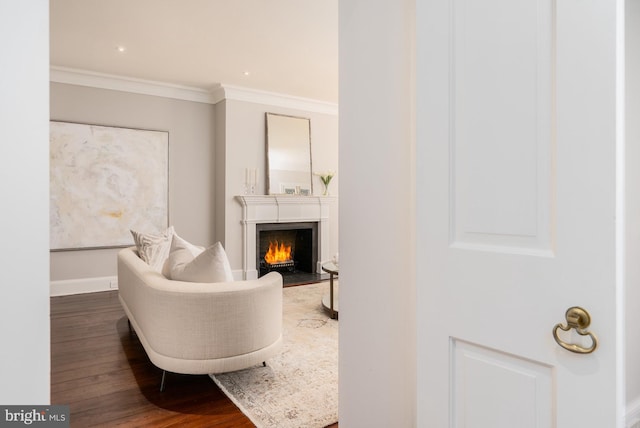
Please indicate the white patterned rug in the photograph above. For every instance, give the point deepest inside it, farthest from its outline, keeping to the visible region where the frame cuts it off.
(299, 387)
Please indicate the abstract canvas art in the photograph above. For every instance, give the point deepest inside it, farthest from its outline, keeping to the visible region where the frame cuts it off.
(105, 181)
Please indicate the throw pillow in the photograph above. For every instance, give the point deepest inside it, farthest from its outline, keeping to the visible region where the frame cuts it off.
(212, 265)
(154, 248)
(181, 243)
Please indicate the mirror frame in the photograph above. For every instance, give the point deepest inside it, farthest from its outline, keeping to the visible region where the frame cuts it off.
(272, 137)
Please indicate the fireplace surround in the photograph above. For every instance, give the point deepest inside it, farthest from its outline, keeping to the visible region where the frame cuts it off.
(287, 211)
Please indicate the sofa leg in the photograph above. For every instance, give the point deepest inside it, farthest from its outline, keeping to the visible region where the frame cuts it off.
(162, 381)
(264, 364)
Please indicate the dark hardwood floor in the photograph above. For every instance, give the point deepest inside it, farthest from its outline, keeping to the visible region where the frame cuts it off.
(101, 371)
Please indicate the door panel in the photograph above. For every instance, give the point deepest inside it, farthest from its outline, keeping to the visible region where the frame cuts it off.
(501, 95)
(519, 211)
(521, 395)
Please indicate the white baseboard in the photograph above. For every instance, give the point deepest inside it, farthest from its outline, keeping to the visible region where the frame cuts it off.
(632, 416)
(83, 285)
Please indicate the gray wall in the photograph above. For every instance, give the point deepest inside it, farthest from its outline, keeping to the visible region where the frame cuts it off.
(209, 148)
(191, 162)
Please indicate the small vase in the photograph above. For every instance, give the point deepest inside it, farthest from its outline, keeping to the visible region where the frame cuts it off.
(326, 190)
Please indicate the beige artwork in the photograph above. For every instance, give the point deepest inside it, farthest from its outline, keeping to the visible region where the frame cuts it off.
(104, 182)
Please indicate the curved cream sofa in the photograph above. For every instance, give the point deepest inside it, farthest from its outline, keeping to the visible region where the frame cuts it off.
(195, 328)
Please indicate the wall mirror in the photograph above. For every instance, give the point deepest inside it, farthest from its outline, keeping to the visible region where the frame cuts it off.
(289, 155)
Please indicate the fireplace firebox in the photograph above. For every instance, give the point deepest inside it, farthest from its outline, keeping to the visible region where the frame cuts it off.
(288, 248)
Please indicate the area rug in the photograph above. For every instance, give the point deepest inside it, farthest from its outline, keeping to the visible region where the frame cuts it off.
(299, 387)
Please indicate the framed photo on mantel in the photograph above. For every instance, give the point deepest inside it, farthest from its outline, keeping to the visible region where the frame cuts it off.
(105, 181)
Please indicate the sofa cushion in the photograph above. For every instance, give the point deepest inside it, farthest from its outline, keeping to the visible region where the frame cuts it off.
(211, 265)
(154, 248)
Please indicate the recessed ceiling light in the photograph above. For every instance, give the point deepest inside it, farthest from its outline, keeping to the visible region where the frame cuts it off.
(121, 48)
(246, 73)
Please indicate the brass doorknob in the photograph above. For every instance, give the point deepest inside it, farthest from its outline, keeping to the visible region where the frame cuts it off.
(578, 319)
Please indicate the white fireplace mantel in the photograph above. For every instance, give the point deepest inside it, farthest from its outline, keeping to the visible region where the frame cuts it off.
(282, 209)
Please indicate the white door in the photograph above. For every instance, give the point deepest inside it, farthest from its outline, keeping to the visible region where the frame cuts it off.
(519, 212)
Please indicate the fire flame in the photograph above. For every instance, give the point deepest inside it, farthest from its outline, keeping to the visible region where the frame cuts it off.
(278, 253)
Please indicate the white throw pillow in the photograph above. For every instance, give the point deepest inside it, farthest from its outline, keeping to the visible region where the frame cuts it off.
(211, 265)
(181, 243)
(154, 248)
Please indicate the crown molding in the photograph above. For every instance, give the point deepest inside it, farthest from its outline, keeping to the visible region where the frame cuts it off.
(236, 93)
(219, 93)
(127, 84)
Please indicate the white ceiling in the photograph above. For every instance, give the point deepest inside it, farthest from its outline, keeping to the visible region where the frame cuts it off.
(287, 46)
